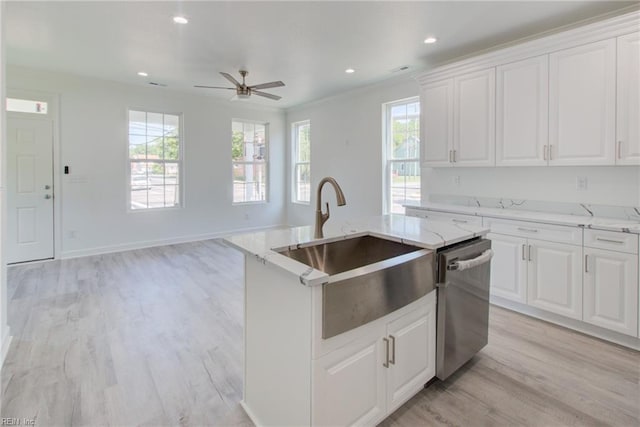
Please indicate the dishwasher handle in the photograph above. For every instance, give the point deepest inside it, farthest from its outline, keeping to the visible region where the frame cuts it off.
(471, 263)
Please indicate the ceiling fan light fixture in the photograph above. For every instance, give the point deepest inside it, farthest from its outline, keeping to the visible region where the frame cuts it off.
(180, 20)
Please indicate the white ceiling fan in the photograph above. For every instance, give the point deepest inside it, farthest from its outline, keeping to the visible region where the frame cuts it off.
(243, 91)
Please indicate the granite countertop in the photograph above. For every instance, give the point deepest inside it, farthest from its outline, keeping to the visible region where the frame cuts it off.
(410, 230)
(598, 223)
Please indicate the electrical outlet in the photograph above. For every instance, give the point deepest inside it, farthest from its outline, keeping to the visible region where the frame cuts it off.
(72, 234)
(581, 183)
(246, 216)
(456, 180)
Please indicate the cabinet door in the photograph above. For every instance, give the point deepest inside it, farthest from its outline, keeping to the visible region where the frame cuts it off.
(509, 267)
(522, 112)
(628, 124)
(436, 103)
(353, 374)
(582, 104)
(611, 290)
(474, 119)
(412, 339)
(555, 278)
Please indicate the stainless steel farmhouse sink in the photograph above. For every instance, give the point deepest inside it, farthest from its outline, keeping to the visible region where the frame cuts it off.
(369, 277)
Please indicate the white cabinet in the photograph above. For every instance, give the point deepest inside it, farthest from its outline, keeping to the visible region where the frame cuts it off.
(582, 104)
(555, 277)
(354, 374)
(522, 112)
(412, 363)
(474, 119)
(611, 280)
(509, 267)
(458, 120)
(611, 290)
(376, 373)
(628, 100)
(436, 104)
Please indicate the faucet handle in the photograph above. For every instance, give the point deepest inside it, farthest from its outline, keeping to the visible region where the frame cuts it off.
(325, 216)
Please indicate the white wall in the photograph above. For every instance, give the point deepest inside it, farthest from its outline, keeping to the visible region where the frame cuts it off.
(93, 143)
(346, 143)
(606, 185)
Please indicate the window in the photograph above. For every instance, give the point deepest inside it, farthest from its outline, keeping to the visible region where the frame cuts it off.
(301, 155)
(26, 106)
(155, 160)
(249, 152)
(402, 150)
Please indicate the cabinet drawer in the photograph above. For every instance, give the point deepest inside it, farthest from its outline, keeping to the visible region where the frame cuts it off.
(534, 230)
(445, 216)
(611, 240)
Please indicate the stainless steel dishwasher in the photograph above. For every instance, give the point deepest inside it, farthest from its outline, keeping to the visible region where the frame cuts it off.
(463, 304)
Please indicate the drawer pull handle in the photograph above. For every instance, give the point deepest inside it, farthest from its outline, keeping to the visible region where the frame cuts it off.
(529, 230)
(462, 221)
(530, 253)
(600, 239)
(523, 255)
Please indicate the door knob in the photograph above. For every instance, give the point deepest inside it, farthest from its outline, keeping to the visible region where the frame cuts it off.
(47, 187)
(47, 196)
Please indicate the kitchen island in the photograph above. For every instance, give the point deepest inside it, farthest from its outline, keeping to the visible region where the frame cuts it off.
(294, 375)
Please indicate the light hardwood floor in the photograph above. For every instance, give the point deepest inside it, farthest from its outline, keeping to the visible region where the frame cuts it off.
(154, 337)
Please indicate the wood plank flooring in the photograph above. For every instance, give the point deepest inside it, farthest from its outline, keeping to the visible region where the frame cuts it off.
(154, 337)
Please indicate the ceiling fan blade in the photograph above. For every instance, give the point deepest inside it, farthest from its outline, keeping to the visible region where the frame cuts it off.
(266, 95)
(230, 78)
(267, 85)
(216, 87)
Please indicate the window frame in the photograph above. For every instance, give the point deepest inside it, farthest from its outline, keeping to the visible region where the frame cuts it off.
(387, 149)
(180, 161)
(266, 162)
(295, 146)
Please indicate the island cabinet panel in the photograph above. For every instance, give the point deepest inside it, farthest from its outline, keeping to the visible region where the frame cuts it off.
(582, 104)
(412, 363)
(349, 383)
(555, 278)
(628, 100)
(509, 267)
(522, 113)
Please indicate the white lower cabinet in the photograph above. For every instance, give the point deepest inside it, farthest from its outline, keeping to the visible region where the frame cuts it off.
(509, 267)
(555, 277)
(611, 290)
(376, 373)
(354, 374)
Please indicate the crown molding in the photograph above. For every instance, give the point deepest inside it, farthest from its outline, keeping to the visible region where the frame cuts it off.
(601, 30)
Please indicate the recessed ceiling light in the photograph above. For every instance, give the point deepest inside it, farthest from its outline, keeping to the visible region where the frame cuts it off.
(142, 74)
(430, 40)
(349, 70)
(180, 20)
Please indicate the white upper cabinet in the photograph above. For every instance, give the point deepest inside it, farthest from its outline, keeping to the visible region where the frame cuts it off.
(436, 104)
(522, 112)
(628, 116)
(474, 119)
(582, 84)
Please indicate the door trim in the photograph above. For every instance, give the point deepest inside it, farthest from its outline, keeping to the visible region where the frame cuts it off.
(53, 114)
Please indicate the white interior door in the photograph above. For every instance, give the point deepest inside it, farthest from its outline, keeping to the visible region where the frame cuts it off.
(29, 189)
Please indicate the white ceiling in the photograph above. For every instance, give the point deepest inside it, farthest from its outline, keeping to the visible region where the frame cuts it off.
(308, 45)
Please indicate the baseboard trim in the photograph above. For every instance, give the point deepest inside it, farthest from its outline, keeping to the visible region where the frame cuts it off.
(576, 325)
(6, 343)
(161, 242)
